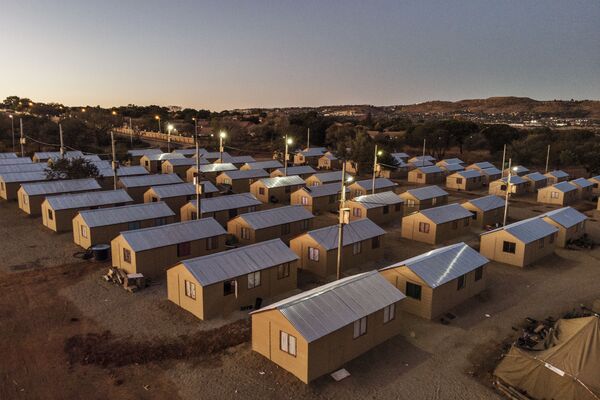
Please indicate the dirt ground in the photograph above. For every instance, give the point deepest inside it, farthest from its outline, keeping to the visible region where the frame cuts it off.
(48, 298)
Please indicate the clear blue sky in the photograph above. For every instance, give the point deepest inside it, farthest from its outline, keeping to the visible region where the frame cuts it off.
(234, 54)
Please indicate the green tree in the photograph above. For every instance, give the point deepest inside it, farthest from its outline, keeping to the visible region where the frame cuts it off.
(74, 168)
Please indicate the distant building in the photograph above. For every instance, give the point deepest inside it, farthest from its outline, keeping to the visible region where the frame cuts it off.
(487, 210)
(465, 180)
(381, 208)
(276, 190)
(426, 175)
(569, 222)
(561, 194)
(32, 195)
(423, 198)
(437, 224)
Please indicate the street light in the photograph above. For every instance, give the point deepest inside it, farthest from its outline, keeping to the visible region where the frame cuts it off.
(169, 130)
(344, 217)
(222, 136)
(157, 117)
(508, 190)
(377, 153)
(83, 110)
(12, 125)
(114, 112)
(195, 127)
(288, 141)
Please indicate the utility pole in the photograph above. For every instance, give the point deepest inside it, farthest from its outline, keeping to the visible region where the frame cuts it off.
(62, 143)
(222, 136)
(308, 139)
(285, 161)
(377, 153)
(22, 139)
(507, 193)
(503, 160)
(547, 158)
(115, 164)
(12, 125)
(197, 181)
(424, 142)
(130, 131)
(344, 216)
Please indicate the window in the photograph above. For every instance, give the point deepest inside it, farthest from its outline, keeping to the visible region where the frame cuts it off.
(50, 215)
(434, 201)
(305, 224)
(304, 200)
(459, 181)
(261, 191)
(509, 247)
(251, 209)
(283, 271)
(226, 181)
(127, 256)
(460, 282)
(25, 199)
(133, 225)
(503, 188)
(193, 215)
(389, 313)
(541, 243)
(313, 254)
(154, 199)
(419, 176)
(285, 229)
(386, 209)
(478, 274)
(413, 290)
(466, 222)
(184, 249)
(356, 248)
(375, 242)
(360, 327)
(398, 207)
(424, 227)
(84, 231)
(474, 216)
(245, 233)
(212, 243)
(287, 343)
(552, 238)
(454, 224)
(229, 287)
(190, 290)
(161, 221)
(253, 280)
(554, 195)
(410, 203)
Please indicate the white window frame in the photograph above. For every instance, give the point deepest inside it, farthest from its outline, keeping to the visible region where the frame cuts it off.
(287, 343)
(360, 327)
(313, 254)
(190, 290)
(356, 248)
(389, 313)
(83, 230)
(253, 280)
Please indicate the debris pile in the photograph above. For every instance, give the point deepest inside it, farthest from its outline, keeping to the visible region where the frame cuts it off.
(131, 282)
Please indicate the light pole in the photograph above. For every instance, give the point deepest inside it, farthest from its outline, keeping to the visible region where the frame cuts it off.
(169, 130)
(115, 165)
(157, 117)
(377, 153)
(508, 189)
(222, 136)
(195, 128)
(22, 139)
(344, 216)
(288, 141)
(199, 186)
(12, 125)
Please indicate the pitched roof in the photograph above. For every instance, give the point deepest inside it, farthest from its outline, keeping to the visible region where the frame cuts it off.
(421, 158)
(427, 192)
(330, 156)
(432, 169)
(558, 174)
(446, 213)
(48, 155)
(281, 181)
(420, 163)
(246, 174)
(380, 183)
(142, 152)
(88, 199)
(400, 155)
(378, 199)
(327, 189)
(563, 186)
(60, 186)
(581, 182)
(491, 171)
(218, 267)
(566, 216)
(189, 152)
(355, 231)
(124, 214)
(313, 151)
(326, 177)
(149, 180)
(16, 160)
(514, 180)
(325, 309)
(440, 266)
(263, 164)
(453, 167)
(469, 174)
(528, 230)
(176, 162)
(31, 176)
(14, 168)
(163, 156)
(181, 189)
(124, 171)
(448, 161)
(275, 216)
(297, 170)
(487, 203)
(166, 235)
(232, 201)
(519, 169)
(7, 155)
(238, 159)
(483, 165)
(218, 167)
(536, 177)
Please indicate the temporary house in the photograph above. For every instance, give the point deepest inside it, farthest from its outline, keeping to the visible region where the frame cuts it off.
(318, 249)
(451, 168)
(439, 280)
(361, 188)
(569, 222)
(190, 152)
(595, 185)
(318, 199)
(418, 159)
(584, 188)
(240, 279)
(106, 176)
(153, 162)
(209, 171)
(178, 194)
(281, 222)
(329, 161)
(465, 180)
(560, 194)
(518, 186)
(100, 226)
(14, 160)
(356, 168)
(268, 165)
(179, 166)
(481, 165)
(136, 186)
(521, 243)
(398, 171)
(318, 331)
(221, 208)
(11, 182)
(324, 177)
(536, 181)
(426, 175)
(419, 163)
(309, 156)
(450, 161)
(151, 251)
(238, 161)
(276, 190)
(401, 156)
(557, 176)
(58, 211)
(437, 224)
(517, 170)
(32, 195)
(423, 198)
(7, 156)
(565, 367)
(303, 171)
(136, 154)
(490, 175)
(14, 168)
(215, 156)
(487, 210)
(381, 208)
(240, 181)
(45, 156)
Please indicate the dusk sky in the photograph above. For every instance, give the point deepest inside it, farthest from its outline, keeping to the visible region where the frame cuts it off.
(236, 54)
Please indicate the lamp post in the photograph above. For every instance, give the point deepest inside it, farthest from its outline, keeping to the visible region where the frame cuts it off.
(195, 128)
(222, 136)
(169, 130)
(157, 117)
(199, 186)
(22, 139)
(377, 153)
(288, 141)
(12, 125)
(508, 189)
(344, 216)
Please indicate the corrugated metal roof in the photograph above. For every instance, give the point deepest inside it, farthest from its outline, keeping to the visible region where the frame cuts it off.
(181, 189)
(327, 189)
(519, 169)
(264, 164)
(483, 165)
(514, 180)
(281, 181)
(432, 169)
(427, 192)
(448, 161)
(558, 174)
(327, 177)
(528, 230)
(581, 182)
(330, 156)
(446, 213)
(400, 155)
(491, 171)
(470, 173)
(536, 177)
(88, 199)
(378, 199)
(233, 201)
(7, 155)
(15, 161)
(47, 155)
(218, 267)
(214, 155)
(60, 186)
(13, 168)
(297, 170)
(380, 183)
(488, 203)
(421, 158)
(420, 163)
(166, 235)
(566, 216)
(143, 152)
(124, 171)
(102, 164)
(246, 174)
(452, 167)
(313, 152)
(238, 159)
(443, 265)
(149, 180)
(325, 309)
(23, 176)
(275, 216)
(219, 167)
(564, 187)
(163, 156)
(355, 231)
(596, 178)
(184, 161)
(124, 214)
(189, 152)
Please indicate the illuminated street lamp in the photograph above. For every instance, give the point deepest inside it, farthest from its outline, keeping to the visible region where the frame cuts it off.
(157, 117)
(508, 190)
(83, 110)
(377, 153)
(344, 218)
(12, 125)
(169, 130)
(288, 141)
(195, 127)
(222, 136)
(114, 112)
